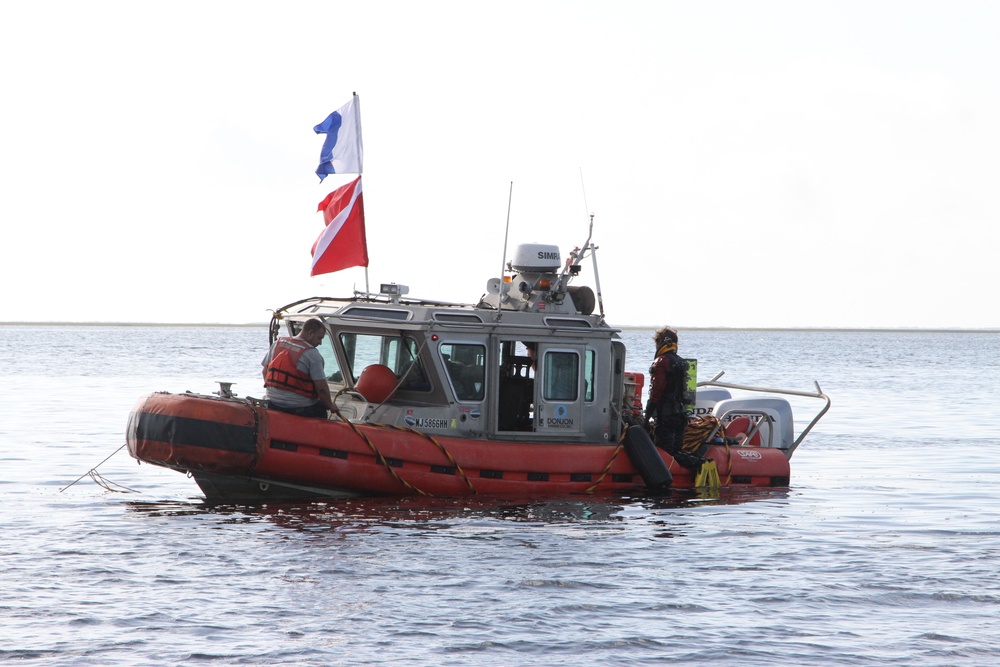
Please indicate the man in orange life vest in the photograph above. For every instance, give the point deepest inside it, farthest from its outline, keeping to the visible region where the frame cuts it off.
(294, 376)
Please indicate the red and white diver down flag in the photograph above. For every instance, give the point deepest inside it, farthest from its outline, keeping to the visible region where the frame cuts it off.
(342, 244)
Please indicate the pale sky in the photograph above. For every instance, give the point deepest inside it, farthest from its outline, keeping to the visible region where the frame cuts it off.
(748, 164)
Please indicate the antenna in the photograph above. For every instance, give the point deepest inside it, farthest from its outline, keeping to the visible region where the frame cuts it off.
(591, 247)
(503, 264)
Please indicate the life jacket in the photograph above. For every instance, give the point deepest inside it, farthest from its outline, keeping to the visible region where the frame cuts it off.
(282, 371)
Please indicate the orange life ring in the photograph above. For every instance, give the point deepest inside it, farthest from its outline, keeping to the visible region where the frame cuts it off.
(739, 427)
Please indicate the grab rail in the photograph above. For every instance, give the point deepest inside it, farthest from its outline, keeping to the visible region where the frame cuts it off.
(714, 382)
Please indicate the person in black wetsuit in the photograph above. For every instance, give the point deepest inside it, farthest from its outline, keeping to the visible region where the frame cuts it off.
(668, 381)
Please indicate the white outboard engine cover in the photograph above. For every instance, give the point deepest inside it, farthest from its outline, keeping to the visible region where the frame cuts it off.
(536, 258)
(707, 397)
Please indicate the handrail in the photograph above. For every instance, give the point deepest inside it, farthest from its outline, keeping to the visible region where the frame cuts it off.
(788, 392)
(598, 329)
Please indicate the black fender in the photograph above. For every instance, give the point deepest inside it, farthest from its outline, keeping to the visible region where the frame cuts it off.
(646, 459)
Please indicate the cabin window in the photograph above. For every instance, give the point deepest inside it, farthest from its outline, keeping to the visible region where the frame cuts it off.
(588, 375)
(466, 365)
(561, 376)
(558, 322)
(396, 352)
(458, 318)
(330, 363)
(378, 312)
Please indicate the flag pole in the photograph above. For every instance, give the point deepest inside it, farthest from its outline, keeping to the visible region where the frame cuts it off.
(357, 121)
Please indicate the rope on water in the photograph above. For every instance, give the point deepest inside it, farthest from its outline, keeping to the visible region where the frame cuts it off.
(101, 481)
(107, 484)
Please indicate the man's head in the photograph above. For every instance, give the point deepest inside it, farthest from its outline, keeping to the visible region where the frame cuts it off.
(532, 349)
(313, 331)
(664, 336)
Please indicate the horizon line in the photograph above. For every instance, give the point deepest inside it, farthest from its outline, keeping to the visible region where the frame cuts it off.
(898, 329)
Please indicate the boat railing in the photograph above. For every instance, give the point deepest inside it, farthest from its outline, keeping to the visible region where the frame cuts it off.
(714, 382)
(758, 419)
(326, 307)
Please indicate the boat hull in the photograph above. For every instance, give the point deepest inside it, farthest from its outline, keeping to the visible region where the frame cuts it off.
(238, 451)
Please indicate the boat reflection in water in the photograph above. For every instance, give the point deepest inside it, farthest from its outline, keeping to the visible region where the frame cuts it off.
(442, 513)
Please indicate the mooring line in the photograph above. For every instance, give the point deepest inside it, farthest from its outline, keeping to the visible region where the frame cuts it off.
(101, 481)
(444, 451)
(384, 460)
(604, 474)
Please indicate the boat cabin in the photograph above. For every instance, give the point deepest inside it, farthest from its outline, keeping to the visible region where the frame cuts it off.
(529, 357)
(458, 372)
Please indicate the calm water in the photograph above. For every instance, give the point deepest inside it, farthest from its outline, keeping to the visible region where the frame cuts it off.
(884, 551)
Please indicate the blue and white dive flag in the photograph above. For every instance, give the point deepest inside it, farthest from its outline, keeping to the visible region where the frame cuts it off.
(342, 151)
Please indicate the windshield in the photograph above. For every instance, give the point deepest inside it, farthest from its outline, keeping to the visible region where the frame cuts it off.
(397, 353)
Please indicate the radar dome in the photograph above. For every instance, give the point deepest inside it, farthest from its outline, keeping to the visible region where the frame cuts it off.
(536, 258)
